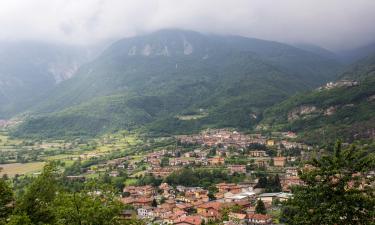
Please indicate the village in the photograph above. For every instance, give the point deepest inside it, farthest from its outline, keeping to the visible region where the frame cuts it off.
(241, 195)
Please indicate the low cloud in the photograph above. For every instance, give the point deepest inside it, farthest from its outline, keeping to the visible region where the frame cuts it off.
(334, 24)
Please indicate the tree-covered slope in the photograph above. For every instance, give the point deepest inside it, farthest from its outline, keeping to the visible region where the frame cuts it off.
(155, 79)
(344, 109)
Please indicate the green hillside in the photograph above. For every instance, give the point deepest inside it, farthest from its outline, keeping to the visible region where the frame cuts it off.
(157, 79)
(345, 111)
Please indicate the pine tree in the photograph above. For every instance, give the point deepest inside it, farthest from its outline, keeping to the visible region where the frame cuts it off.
(260, 208)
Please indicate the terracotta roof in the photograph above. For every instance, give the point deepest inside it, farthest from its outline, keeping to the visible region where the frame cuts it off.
(214, 205)
(240, 216)
(193, 220)
(258, 216)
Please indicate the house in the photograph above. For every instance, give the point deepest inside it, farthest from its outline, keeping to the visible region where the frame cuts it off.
(291, 172)
(269, 197)
(258, 153)
(216, 161)
(279, 161)
(237, 169)
(270, 142)
(140, 191)
(243, 196)
(188, 220)
(144, 212)
(262, 162)
(224, 187)
(210, 210)
(240, 217)
(137, 202)
(255, 219)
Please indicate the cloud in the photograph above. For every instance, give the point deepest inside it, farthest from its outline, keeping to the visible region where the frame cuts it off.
(334, 24)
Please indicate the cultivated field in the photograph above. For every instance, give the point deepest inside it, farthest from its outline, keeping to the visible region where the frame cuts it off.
(20, 168)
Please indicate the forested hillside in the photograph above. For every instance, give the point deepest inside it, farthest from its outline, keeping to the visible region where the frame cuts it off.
(177, 81)
(344, 109)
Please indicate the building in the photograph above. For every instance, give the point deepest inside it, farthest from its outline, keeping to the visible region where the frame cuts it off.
(255, 219)
(279, 161)
(237, 169)
(210, 210)
(258, 153)
(216, 161)
(270, 197)
(188, 220)
(270, 142)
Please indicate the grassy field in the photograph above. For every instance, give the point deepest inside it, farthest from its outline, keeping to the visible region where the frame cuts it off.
(21, 168)
(103, 146)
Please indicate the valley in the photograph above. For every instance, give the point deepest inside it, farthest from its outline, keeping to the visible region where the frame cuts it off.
(181, 127)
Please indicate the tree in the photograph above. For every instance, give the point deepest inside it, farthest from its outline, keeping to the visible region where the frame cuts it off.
(6, 199)
(164, 162)
(337, 190)
(87, 207)
(36, 203)
(260, 207)
(154, 203)
(262, 182)
(21, 219)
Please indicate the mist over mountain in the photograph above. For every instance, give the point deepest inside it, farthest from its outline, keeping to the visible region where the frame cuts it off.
(156, 78)
(30, 69)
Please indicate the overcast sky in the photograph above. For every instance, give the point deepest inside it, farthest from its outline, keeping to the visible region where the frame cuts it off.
(334, 24)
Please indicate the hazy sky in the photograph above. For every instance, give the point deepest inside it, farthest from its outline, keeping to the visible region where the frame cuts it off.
(333, 24)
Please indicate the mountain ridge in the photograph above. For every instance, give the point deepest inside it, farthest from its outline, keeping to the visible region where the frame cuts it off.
(184, 71)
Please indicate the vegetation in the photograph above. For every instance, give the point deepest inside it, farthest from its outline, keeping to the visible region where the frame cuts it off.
(201, 177)
(260, 207)
(240, 77)
(47, 201)
(340, 112)
(338, 190)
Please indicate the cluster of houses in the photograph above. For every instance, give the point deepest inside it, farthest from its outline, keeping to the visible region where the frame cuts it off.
(226, 138)
(195, 205)
(222, 137)
(192, 205)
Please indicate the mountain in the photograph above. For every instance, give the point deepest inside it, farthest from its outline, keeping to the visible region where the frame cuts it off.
(341, 109)
(317, 50)
(174, 81)
(30, 69)
(352, 55)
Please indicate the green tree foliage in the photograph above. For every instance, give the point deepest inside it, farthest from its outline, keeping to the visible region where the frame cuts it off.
(164, 162)
(338, 190)
(270, 183)
(6, 200)
(241, 76)
(87, 208)
(19, 219)
(260, 207)
(37, 202)
(201, 177)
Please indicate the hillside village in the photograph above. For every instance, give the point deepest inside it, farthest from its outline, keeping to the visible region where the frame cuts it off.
(218, 176)
(249, 157)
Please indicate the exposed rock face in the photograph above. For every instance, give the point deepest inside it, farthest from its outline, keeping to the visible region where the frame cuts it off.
(330, 110)
(61, 71)
(301, 111)
(371, 98)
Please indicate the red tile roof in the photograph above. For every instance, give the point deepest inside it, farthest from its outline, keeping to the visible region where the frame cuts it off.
(193, 220)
